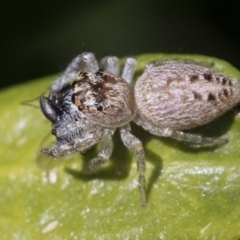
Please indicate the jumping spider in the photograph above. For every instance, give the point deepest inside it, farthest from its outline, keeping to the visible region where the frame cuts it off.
(87, 107)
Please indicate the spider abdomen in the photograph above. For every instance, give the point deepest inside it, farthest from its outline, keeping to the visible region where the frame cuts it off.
(183, 95)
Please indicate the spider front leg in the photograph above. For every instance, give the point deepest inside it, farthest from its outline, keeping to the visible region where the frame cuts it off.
(79, 144)
(86, 60)
(105, 152)
(131, 142)
(63, 149)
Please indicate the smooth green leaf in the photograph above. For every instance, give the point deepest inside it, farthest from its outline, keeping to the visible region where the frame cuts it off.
(192, 193)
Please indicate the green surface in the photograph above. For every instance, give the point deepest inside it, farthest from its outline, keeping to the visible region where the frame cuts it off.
(192, 193)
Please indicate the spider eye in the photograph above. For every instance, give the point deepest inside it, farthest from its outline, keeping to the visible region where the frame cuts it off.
(99, 73)
(99, 108)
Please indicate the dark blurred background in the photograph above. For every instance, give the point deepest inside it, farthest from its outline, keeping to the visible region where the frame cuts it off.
(40, 37)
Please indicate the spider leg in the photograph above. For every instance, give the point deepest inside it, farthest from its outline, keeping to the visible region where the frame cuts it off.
(196, 140)
(85, 60)
(62, 148)
(105, 152)
(110, 64)
(131, 142)
(129, 69)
